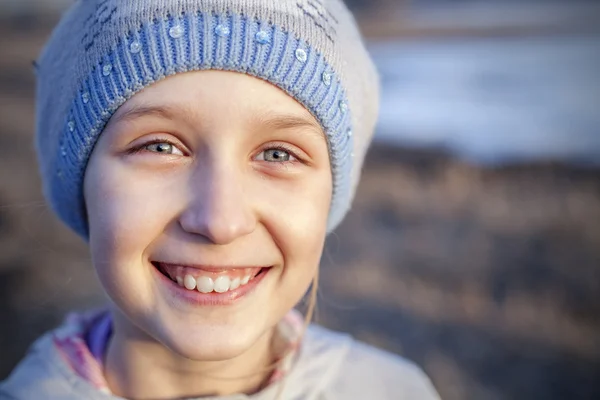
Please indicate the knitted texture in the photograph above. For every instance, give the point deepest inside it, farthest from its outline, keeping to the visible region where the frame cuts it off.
(104, 51)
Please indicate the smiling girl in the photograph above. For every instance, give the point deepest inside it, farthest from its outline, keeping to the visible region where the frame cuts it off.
(204, 149)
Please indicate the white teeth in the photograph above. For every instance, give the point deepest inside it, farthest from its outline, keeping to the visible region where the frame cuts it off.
(235, 283)
(189, 282)
(205, 284)
(222, 284)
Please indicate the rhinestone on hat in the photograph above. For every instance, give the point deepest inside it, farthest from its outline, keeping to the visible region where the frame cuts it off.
(343, 107)
(326, 78)
(71, 126)
(349, 132)
(85, 97)
(301, 55)
(263, 37)
(63, 151)
(135, 47)
(107, 69)
(176, 31)
(222, 30)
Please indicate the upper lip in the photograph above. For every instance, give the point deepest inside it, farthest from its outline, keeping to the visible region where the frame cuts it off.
(208, 267)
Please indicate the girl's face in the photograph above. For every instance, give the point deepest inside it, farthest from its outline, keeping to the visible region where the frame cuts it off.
(212, 177)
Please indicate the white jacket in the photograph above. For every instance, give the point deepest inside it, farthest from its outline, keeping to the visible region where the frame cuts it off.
(329, 366)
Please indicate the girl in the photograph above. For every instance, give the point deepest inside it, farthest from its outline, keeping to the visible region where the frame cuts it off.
(204, 149)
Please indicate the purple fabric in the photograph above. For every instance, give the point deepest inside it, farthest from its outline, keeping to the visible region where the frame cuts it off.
(98, 336)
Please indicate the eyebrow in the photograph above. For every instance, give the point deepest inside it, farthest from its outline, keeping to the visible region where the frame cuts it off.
(288, 121)
(145, 111)
(276, 121)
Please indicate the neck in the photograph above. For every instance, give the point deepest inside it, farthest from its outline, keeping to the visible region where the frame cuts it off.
(139, 367)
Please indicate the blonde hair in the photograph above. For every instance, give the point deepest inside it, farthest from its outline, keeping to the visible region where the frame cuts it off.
(310, 311)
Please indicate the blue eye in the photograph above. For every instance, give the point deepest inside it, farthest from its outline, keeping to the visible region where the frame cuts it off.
(163, 148)
(277, 154)
(274, 155)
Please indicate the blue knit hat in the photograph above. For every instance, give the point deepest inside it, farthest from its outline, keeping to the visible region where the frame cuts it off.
(104, 51)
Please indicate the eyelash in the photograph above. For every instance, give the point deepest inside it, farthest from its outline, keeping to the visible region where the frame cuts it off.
(279, 146)
(285, 148)
(142, 147)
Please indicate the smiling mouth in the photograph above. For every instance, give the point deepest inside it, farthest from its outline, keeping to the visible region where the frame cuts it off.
(210, 280)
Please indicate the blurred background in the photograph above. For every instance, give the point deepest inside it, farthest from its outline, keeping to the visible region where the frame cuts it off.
(473, 247)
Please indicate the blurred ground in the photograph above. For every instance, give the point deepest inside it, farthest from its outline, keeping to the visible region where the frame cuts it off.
(486, 277)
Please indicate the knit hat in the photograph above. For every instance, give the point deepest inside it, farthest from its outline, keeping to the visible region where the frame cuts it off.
(104, 51)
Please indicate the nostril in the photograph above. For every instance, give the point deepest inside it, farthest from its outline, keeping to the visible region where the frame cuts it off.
(220, 219)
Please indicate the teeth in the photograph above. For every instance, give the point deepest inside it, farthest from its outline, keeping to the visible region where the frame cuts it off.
(222, 284)
(235, 283)
(189, 282)
(205, 284)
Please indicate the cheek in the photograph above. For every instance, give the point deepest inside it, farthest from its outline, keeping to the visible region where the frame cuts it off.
(126, 212)
(296, 217)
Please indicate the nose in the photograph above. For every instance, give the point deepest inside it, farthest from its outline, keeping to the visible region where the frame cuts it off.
(218, 209)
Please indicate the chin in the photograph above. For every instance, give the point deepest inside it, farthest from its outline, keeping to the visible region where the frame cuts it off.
(209, 342)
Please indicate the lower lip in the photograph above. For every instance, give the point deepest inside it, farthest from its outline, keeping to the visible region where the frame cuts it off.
(210, 299)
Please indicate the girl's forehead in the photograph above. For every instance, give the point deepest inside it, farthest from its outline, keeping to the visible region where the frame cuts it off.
(215, 93)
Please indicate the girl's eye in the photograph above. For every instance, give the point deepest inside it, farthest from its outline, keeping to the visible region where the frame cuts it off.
(163, 148)
(276, 155)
